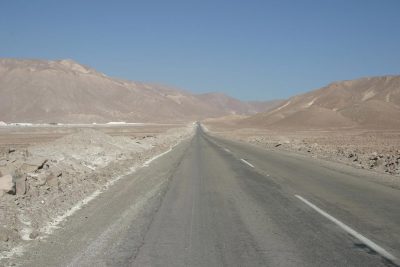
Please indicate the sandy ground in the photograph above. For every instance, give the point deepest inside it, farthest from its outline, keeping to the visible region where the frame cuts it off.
(54, 168)
(375, 150)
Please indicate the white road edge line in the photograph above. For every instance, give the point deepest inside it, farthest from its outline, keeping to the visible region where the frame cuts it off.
(52, 225)
(248, 163)
(147, 163)
(352, 232)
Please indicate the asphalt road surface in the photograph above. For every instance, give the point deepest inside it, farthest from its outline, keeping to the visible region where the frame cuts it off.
(215, 202)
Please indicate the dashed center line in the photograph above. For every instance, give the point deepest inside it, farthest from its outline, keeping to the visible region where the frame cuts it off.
(372, 245)
(248, 163)
(227, 150)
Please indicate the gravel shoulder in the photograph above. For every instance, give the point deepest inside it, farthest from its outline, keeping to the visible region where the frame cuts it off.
(42, 184)
(378, 151)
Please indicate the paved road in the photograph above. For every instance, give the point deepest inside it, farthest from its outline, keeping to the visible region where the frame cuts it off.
(215, 202)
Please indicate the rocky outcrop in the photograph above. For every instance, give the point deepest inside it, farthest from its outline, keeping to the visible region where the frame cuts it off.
(41, 182)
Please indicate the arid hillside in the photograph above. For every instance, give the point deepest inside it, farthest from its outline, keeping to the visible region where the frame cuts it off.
(68, 92)
(370, 103)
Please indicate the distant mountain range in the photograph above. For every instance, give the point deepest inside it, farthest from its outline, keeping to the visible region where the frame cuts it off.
(372, 103)
(40, 91)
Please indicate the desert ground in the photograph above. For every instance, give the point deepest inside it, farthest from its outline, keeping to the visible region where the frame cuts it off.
(361, 148)
(50, 171)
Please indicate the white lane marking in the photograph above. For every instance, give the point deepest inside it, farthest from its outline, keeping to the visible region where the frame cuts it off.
(352, 232)
(227, 150)
(248, 163)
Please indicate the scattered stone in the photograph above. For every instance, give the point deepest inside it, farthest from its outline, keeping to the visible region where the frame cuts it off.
(374, 156)
(34, 234)
(279, 144)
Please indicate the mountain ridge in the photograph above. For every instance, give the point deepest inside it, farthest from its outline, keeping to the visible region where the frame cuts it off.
(66, 91)
(368, 102)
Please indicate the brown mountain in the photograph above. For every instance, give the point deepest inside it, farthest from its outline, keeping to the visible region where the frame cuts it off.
(66, 91)
(238, 107)
(372, 103)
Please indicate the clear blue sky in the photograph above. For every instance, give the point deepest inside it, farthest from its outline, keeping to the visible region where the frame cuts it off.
(250, 49)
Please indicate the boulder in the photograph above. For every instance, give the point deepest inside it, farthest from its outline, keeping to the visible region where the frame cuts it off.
(20, 185)
(374, 156)
(7, 184)
(33, 165)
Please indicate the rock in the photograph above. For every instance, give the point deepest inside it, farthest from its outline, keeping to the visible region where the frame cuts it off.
(20, 185)
(28, 168)
(4, 236)
(7, 234)
(34, 234)
(43, 165)
(374, 156)
(7, 184)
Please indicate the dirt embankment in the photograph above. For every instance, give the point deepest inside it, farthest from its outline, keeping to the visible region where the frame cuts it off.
(366, 149)
(40, 183)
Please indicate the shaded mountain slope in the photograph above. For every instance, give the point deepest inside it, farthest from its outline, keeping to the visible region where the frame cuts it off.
(365, 103)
